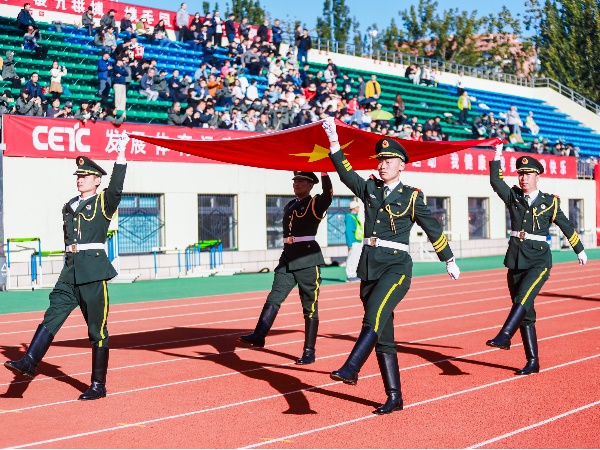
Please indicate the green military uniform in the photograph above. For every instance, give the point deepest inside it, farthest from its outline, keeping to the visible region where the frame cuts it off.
(299, 264)
(528, 257)
(82, 281)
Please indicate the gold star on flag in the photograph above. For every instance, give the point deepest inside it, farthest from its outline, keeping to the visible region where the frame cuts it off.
(318, 152)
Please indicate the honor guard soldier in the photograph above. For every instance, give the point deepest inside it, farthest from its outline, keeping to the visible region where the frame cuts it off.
(299, 263)
(385, 266)
(528, 257)
(82, 281)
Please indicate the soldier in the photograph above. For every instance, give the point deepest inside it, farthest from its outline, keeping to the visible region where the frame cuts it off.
(82, 281)
(385, 267)
(299, 262)
(528, 257)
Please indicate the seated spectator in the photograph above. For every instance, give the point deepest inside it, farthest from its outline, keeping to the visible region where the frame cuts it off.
(109, 43)
(410, 72)
(87, 20)
(251, 61)
(214, 84)
(25, 19)
(252, 91)
(372, 88)
(28, 106)
(84, 113)
(113, 117)
(30, 43)
(406, 133)
(161, 85)
(160, 34)
(127, 26)
(174, 116)
(108, 21)
(56, 74)
(191, 37)
(9, 74)
(142, 29)
(147, 86)
(6, 107)
(426, 75)
(68, 109)
(55, 111)
(479, 126)
(329, 74)
(513, 120)
(34, 88)
(536, 146)
(530, 123)
(99, 38)
(175, 88)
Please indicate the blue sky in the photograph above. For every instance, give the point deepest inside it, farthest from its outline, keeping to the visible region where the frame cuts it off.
(366, 11)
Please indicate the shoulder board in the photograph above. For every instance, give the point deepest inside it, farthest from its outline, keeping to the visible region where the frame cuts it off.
(556, 196)
(377, 181)
(413, 188)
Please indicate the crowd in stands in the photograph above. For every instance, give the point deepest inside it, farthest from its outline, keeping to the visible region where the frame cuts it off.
(253, 87)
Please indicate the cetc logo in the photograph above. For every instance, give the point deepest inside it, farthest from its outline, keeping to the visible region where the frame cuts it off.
(60, 139)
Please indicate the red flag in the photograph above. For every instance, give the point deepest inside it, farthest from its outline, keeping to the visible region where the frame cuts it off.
(306, 148)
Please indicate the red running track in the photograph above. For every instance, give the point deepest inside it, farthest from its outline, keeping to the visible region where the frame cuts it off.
(179, 378)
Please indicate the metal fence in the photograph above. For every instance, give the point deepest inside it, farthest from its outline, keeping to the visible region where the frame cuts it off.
(217, 219)
(141, 223)
(336, 220)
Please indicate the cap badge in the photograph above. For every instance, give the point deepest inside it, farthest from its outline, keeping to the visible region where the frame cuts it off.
(80, 162)
(524, 160)
(385, 144)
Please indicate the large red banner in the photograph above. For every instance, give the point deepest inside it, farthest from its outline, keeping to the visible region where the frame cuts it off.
(302, 148)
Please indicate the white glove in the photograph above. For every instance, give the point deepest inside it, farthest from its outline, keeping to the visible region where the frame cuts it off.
(329, 127)
(582, 257)
(452, 269)
(498, 154)
(123, 140)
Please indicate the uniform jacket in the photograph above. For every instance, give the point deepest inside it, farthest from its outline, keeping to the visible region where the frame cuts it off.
(535, 219)
(302, 218)
(89, 224)
(390, 219)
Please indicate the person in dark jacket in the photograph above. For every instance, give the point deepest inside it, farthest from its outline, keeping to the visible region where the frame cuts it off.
(108, 20)
(263, 31)
(304, 45)
(34, 88)
(127, 26)
(8, 70)
(24, 19)
(277, 34)
(104, 75)
(87, 20)
(230, 28)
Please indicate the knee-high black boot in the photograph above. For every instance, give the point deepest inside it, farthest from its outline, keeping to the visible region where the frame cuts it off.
(531, 350)
(263, 326)
(37, 349)
(514, 319)
(390, 373)
(358, 356)
(99, 367)
(311, 326)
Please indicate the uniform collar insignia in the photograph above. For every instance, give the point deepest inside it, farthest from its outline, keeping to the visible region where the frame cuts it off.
(372, 196)
(543, 206)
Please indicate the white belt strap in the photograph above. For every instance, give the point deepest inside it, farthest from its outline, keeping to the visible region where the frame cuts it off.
(74, 248)
(292, 239)
(524, 235)
(376, 242)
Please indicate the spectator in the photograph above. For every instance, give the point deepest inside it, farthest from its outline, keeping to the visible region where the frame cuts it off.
(406, 132)
(147, 86)
(68, 109)
(263, 31)
(252, 91)
(175, 87)
(218, 29)
(161, 85)
(277, 36)
(35, 90)
(54, 111)
(5, 104)
(438, 129)
(372, 88)
(435, 77)
(329, 74)
(230, 28)
(112, 115)
(536, 146)
(204, 37)
(108, 20)
(298, 37)
(9, 73)
(197, 20)
(214, 84)
(304, 46)
(398, 110)
(56, 74)
(191, 37)
(416, 79)
(99, 38)
(460, 83)
(464, 105)
(410, 72)
(109, 43)
(84, 113)
(530, 123)
(210, 25)
(25, 19)
(142, 29)
(127, 26)
(28, 106)
(87, 20)
(251, 61)
(244, 28)
(120, 85)
(426, 76)
(160, 33)
(361, 88)
(104, 76)
(479, 126)
(30, 43)
(513, 121)
(346, 86)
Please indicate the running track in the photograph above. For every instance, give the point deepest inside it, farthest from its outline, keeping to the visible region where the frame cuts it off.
(179, 379)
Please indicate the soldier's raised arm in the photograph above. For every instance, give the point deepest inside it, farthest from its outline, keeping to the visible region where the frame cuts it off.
(323, 200)
(497, 177)
(114, 191)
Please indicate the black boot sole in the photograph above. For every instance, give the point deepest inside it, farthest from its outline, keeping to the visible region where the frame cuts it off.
(344, 380)
(301, 362)
(92, 398)
(378, 412)
(502, 347)
(18, 372)
(253, 344)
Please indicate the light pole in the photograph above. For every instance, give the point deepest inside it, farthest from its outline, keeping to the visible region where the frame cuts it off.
(372, 35)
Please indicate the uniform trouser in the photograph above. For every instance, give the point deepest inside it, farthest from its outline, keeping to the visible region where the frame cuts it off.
(92, 298)
(308, 281)
(379, 298)
(353, 259)
(524, 285)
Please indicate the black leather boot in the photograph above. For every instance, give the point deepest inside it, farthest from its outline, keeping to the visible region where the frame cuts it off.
(37, 349)
(390, 373)
(514, 319)
(531, 350)
(99, 367)
(311, 326)
(265, 322)
(358, 356)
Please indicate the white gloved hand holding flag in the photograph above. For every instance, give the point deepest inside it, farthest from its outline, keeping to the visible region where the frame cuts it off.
(121, 144)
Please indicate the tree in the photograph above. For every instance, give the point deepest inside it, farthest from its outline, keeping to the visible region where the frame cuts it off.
(356, 35)
(391, 36)
(417, 23)
(248, 8)
(341, 21)
(324, 28)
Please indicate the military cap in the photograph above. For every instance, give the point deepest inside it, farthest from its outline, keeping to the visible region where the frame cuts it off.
(85, 166)
(529, 164)
(390, 148)
(308, 176)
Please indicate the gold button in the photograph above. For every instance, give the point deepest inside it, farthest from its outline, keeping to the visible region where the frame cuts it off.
(308, 245)
(378, 220)
(97, 253)
(75, 240)
(527, 211)
(374, 232)
(395, 251)
(380, 209)
(524, 221)
(74, 229)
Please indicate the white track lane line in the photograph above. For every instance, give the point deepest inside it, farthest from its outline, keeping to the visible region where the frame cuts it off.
(217, 408)
(535, 425)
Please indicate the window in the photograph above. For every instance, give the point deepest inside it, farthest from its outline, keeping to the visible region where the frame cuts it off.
(275, 206)
(576, 214)
(478, 218)
(140, 223)
(217, 219)
(440, 209)
(336, 220)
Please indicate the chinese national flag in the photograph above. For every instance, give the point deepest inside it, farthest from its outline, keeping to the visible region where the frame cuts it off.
(306, 148)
